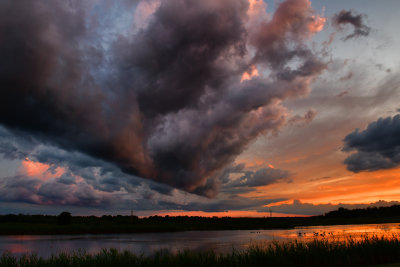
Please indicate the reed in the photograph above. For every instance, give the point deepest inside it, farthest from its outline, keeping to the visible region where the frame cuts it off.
(319, 252)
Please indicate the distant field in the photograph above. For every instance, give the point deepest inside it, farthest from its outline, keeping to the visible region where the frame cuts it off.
(373, 251)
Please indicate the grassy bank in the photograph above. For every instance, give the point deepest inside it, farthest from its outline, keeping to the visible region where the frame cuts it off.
(370, 251)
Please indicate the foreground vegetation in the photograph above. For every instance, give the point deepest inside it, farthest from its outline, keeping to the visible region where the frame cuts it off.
(65, 224)
(366, 252)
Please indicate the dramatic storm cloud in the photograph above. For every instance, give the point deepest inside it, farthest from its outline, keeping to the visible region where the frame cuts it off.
(346, 17)
(377, 147)
(162, 99)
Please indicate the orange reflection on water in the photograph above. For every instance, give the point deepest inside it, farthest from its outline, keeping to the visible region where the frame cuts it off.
(19, 244)
(17, 249)
(344, 232)
(24, 237)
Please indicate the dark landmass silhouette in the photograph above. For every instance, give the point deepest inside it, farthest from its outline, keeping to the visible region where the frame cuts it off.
(107, 224)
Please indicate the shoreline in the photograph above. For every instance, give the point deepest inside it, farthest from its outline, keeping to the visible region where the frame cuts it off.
(24, 228)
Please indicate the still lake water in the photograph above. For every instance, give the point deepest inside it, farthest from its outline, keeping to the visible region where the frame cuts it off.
(219, 241)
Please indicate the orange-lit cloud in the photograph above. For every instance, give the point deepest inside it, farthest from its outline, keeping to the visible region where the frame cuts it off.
(359, 188)
(280, 203)
(40, 170)
(143, 13)
(254, 6)
(258, 163)
(248, 75)
(317, 24)
(257, 10)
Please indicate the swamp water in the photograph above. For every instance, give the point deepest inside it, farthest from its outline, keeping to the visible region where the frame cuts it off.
(219, 241)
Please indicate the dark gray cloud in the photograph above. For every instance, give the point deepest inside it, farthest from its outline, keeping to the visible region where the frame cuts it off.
(367, 161)
(298, 207)
(237, 179)
(346, 17)
(342, 94)
(346, 77)
(102, 175)
(166, 102)
(33, 190)
(261, 177)
(15, 145)
(377, 147)
(303, 120)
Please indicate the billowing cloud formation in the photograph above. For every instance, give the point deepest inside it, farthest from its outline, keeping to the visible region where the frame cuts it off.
(164, 99)
(377, 147)
(345, 17)
(57, 177)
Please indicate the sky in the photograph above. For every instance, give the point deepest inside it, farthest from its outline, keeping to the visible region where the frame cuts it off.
(211, 108)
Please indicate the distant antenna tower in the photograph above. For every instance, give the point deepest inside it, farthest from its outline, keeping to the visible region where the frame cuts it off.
(270, 212)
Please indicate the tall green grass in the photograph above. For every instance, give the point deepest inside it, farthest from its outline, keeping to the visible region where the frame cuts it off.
(352, 252)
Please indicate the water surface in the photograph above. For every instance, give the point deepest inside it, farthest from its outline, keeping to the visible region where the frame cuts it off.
(220, 241)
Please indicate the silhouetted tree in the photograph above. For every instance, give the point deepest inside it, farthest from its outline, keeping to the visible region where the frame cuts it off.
(64, 218)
